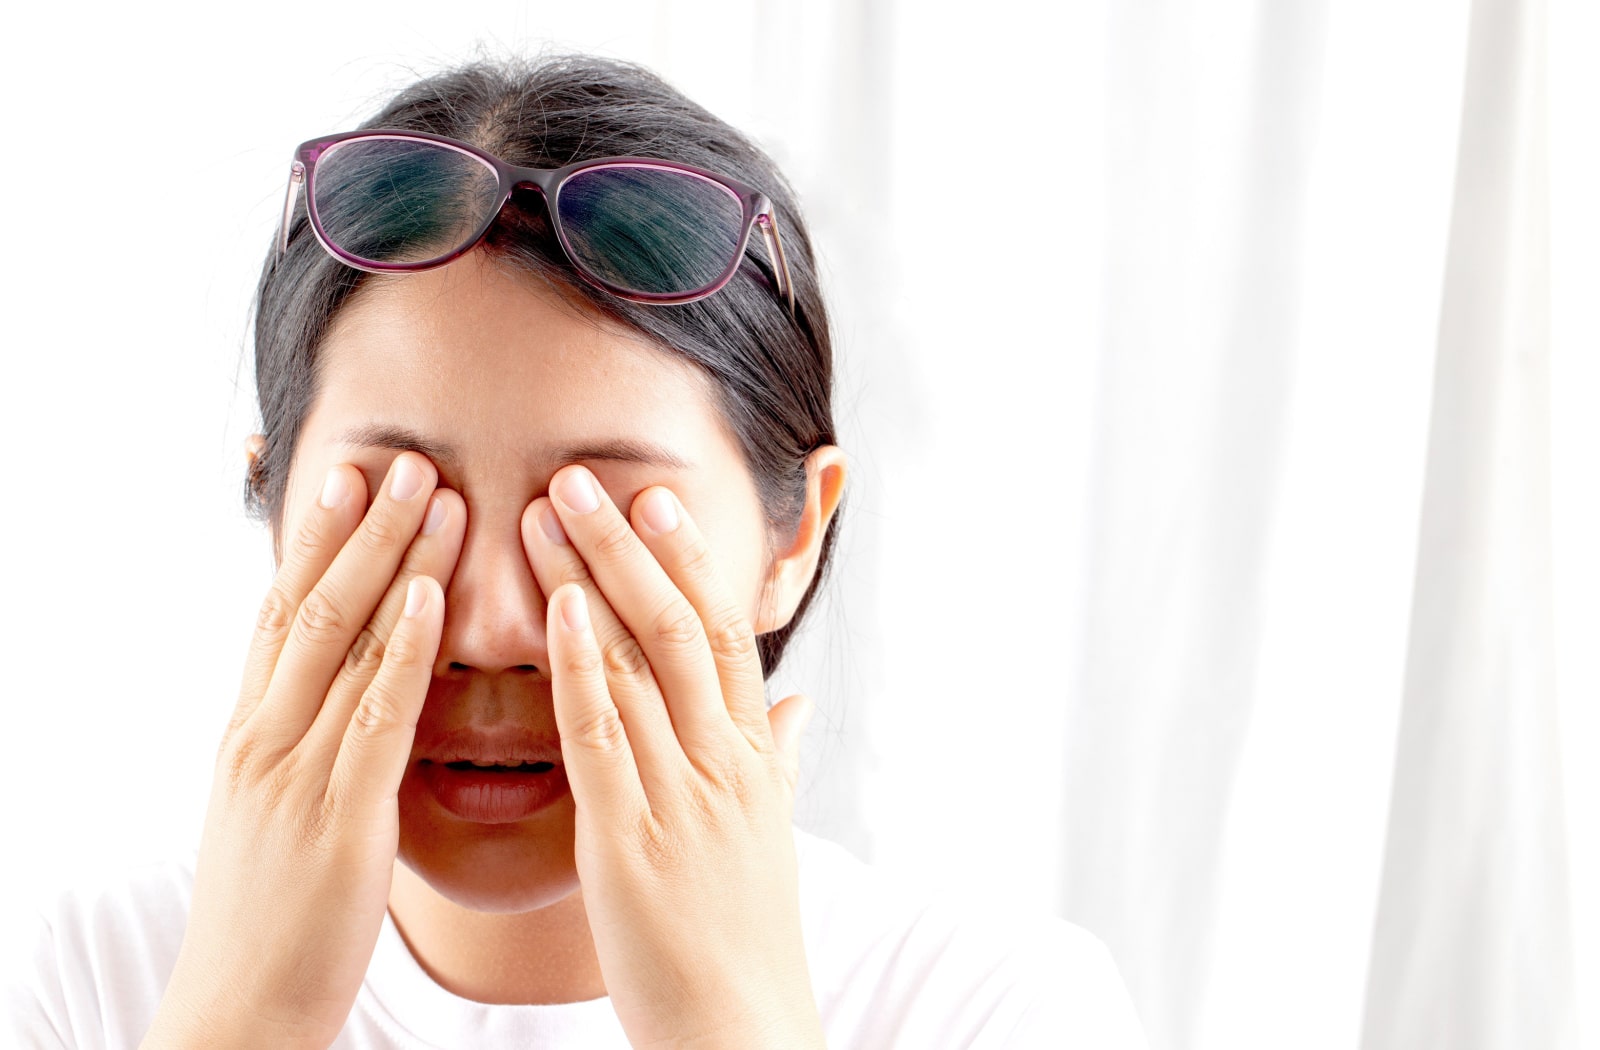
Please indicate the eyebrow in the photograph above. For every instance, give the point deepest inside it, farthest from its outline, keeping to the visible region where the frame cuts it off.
(617, 449)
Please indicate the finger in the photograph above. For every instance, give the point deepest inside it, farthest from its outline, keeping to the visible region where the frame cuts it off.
(627, 671)
(664, 623)
(676, 544)
(342, 601)
(595, 744)
(309, 552)
(789, 718)
(433, 554)
(376, 747)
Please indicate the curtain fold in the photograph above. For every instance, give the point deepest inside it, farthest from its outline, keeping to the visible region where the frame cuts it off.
(1191, 412)
(1471, 947)
(1312, 770)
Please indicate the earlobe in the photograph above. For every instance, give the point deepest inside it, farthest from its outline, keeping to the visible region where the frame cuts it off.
(793, 567)
(254, 445)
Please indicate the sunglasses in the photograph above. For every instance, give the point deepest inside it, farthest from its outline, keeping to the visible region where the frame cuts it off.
(650, 231)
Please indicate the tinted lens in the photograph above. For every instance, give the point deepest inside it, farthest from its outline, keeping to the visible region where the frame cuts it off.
(652, 230)
(399, 201)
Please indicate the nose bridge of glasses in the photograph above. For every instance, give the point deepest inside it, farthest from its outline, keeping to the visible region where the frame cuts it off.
(541, 179)
(536, 180)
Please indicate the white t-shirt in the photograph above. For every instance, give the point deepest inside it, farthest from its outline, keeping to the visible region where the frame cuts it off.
(888, 972)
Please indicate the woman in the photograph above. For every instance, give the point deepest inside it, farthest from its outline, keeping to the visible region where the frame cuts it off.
(547, 455)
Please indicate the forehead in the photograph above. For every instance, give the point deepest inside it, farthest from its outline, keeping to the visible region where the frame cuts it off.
(498, 371)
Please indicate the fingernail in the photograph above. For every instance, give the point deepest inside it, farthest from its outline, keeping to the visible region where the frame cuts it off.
(435, 518)
(578, 491)
(660, 511)
(552, 526)
(335, 490)
(407, 479)
(575, 611)
(416, 597)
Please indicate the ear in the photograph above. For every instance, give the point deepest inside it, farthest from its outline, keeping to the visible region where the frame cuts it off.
(254, 445)
(791, 570)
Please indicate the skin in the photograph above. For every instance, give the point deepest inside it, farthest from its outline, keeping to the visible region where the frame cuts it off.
(580, 554)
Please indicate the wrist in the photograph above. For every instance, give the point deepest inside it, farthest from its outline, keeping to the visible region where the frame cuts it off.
(184, 1023)
(797, 1029)
(180, 1032)
(190, 1033)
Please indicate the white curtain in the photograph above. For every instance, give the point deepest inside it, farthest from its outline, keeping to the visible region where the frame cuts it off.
(1219, 566)
(1473, 944)
(1272, 594)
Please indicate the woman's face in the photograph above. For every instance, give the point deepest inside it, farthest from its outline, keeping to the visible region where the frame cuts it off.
(515, 382)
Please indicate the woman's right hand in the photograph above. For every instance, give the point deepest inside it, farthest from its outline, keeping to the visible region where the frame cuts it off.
(303, 826)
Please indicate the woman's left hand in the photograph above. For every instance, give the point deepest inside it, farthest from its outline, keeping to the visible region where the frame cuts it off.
(683, 781)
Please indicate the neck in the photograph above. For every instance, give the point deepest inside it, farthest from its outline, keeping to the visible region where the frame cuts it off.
(542, 956)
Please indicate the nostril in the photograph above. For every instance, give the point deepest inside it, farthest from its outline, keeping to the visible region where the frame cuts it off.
(529, 668)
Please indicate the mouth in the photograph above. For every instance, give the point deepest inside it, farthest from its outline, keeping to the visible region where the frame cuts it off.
(466, 765)
(484, 791)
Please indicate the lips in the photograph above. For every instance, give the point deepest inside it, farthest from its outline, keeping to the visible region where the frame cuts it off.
(492, 775)
(494, 794)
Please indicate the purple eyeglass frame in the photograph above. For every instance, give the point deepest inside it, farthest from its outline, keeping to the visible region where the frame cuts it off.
(756, 209)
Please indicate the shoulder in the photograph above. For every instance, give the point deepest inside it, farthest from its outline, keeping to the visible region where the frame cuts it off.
(90, 967)
(893, 968)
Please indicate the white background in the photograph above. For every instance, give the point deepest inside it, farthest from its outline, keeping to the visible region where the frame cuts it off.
(1139, 329)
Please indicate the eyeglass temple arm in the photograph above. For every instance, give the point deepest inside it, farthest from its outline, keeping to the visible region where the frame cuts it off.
(769, 230)
(297, 175)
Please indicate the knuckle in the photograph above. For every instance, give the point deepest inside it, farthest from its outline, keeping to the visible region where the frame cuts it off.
(279, 784)
(321, 618)
(728, 781)
(315, 827)
(625, 659)
(616, 540)
(236, 759)
(275, 615)
(415, 561)
(698, 564)
(599, 729)
(701, 801)
(379, 534)
(572, 571)
(585, 663)
(236, 723)
(309, 541)
(379, 711)
(732, 635)
(403, 650)
(658, 846)
(344, 809)
(679, 629)
(366, 654)
(246, 764)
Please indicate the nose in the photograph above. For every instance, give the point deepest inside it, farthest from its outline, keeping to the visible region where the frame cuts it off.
(494, 612)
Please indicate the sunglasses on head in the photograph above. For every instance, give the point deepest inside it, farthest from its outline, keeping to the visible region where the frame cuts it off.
(650, 231)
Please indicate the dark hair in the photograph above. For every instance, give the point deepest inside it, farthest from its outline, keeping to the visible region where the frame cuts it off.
(772, 370)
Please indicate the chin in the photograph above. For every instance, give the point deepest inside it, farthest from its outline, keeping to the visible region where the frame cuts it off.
(502, 868)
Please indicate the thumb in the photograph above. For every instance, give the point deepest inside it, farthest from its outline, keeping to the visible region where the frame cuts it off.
(788, 719)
